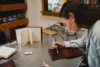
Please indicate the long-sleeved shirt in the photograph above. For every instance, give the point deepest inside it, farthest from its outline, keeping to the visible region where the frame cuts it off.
(91, 40)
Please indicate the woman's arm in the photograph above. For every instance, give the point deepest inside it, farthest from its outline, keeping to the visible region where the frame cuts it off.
(81, 42)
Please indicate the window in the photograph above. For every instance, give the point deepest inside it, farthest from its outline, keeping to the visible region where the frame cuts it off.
(55, 5)
(52, 7)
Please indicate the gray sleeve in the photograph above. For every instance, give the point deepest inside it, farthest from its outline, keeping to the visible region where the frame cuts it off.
(96, 36)
(94, 48)
(81, 42)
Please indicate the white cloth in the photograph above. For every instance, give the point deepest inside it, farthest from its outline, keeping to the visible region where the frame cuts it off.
(76, 43)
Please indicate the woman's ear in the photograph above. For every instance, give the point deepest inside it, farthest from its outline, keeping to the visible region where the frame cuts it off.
(71, 16)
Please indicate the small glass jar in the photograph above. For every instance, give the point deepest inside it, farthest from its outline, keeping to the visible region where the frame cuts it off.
(4, 19)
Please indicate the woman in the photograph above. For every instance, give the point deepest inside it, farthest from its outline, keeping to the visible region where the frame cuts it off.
(77, 15)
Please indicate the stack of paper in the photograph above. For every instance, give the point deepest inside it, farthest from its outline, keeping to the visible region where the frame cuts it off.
(6, 52)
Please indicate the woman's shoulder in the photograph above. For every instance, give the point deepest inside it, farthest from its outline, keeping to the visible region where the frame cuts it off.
(97, 22)
(96, 28)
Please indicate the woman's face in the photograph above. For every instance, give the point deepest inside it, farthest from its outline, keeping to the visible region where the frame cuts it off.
(70, 23)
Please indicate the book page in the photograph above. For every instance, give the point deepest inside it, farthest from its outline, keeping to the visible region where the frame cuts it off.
(24, 37)
(30, 37)
(6, 52)
(36, 34)
(18, 34)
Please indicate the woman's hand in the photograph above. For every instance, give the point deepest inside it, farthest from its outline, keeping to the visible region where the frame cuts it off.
(60, 44)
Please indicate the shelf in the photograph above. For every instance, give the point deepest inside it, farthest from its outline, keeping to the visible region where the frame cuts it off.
(10, 7)
(50, 13)
(8, 25)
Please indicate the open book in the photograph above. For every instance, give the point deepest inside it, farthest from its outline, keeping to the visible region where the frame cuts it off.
(6, 52)
(29, 34)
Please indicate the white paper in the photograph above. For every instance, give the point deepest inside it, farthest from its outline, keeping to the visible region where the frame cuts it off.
(30, 37)
(18, 34)
(45, 65)
(26, 35)
(36, 34)
(6, 52)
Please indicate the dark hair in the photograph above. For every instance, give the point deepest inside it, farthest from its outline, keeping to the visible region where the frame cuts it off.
(84, 14)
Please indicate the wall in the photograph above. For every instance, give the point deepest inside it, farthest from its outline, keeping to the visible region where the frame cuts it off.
(35, 17)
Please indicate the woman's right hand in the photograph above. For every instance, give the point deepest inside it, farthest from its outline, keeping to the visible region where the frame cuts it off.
(60, 44)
